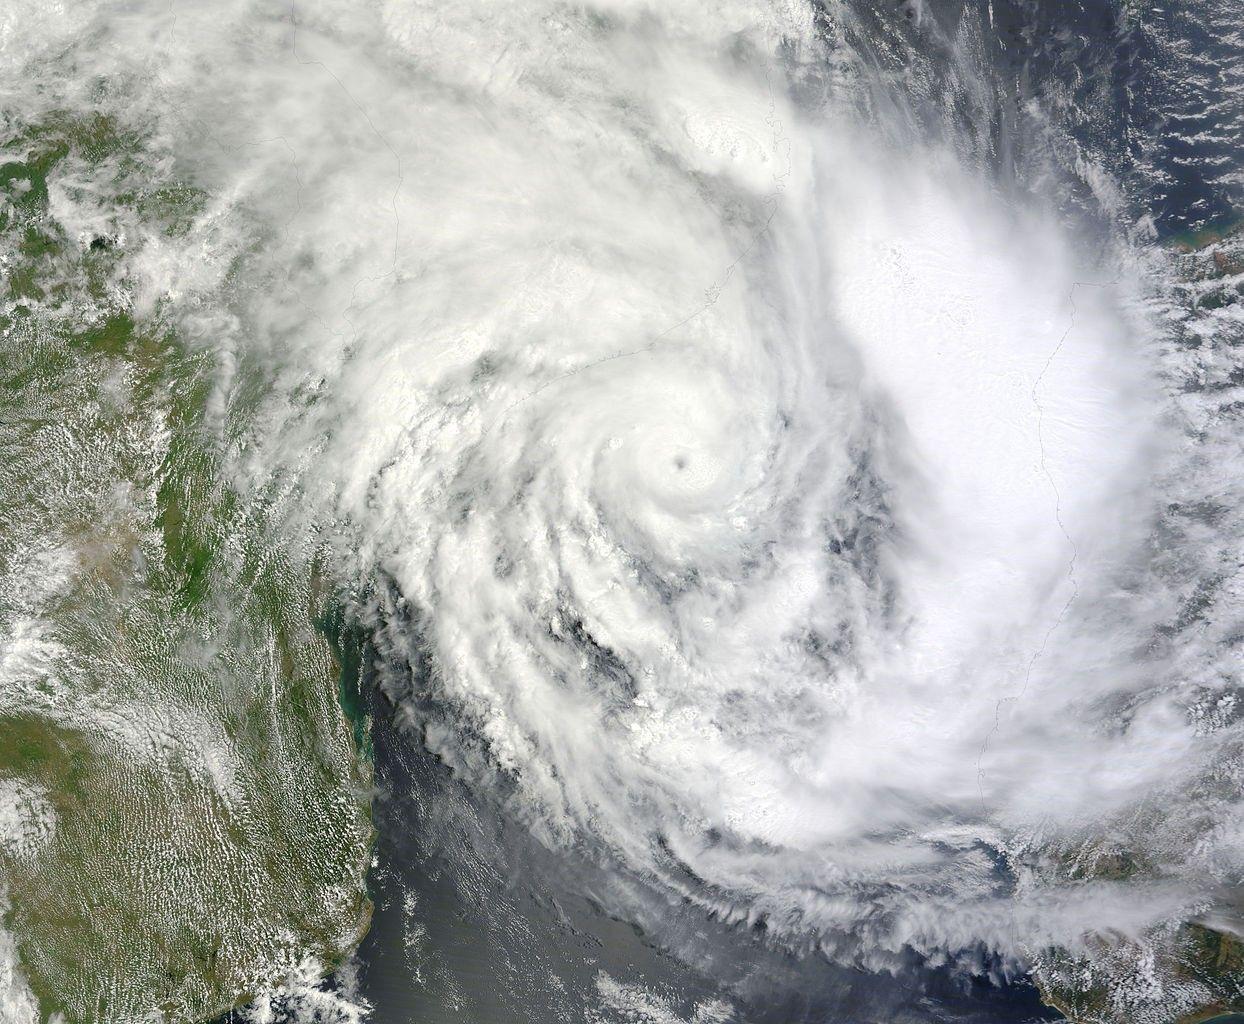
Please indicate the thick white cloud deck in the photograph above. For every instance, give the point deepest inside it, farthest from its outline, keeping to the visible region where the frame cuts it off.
(771, 491)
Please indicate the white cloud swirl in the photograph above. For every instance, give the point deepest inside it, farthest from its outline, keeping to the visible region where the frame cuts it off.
(770, 502)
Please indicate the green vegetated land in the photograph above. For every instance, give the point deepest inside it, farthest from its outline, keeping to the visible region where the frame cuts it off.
(1196, 972)
(1182, 972)
(183, 766)
(184, 811)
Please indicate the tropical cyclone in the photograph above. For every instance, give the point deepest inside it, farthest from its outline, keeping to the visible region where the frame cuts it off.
(774, 505)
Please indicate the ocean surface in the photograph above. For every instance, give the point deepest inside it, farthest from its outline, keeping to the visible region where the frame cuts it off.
(476, 921)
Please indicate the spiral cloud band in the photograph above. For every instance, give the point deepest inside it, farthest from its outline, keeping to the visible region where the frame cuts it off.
(764, 493)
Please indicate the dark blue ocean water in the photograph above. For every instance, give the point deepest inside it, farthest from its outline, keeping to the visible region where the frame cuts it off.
(477, 923)
(1150, 92)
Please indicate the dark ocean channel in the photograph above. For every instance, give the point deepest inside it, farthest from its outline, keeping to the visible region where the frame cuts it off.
(477, 923)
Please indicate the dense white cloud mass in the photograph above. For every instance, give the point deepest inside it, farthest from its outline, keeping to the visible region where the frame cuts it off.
(768, 496)
(17, 1003)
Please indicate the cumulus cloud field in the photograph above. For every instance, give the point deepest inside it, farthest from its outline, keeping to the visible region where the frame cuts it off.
(768, 492)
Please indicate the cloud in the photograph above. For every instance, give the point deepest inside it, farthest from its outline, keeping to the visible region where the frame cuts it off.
(17, 1003)
(304, 998)
(769, 494)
